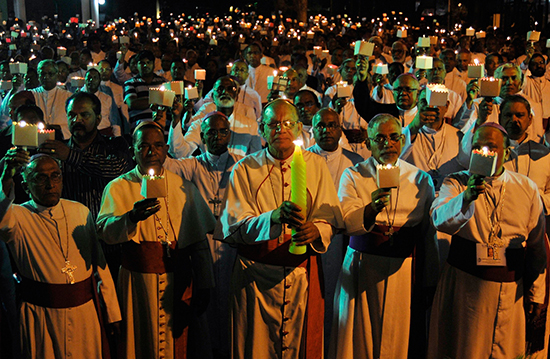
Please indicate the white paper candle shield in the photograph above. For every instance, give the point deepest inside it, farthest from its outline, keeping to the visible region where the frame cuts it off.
(381, 69)
(44, 135)
(332, 69)
(325, 54)
(470, 31)
(66, 59)
(480, 34)
(282, 83)
(200, 74)
(92, 66)
(13, 47)
(423, 41)
(344, 90)
(402, 33)
(77, 81)
(176, 86)
(24, 135)
(270, 81)
(363, 48)
(533, 36)
(118, 55)
(433, 40)
(387, 176)
(124, 39)
(153, 186)
(476, 70)
(61, 51)
(243, 46)
(5, 85)
(489, 87)
(483, 162)
(317, 50)
(18, 67)
(228, 68)
(436, 95)
(213, 42)
(191, 93)
(161, 97)
(548, 43)
(424, 62)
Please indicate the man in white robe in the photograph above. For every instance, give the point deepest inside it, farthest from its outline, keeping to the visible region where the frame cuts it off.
(50, 98)
(537, 86)
(379, 309)
(276, 301)
(53, 243)
(210, 173)
(165, 255)
(257, 73)
(497, 254)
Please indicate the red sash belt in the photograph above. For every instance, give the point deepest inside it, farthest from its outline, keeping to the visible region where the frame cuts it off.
(378, 243)
(56, 295)
(274, 253)
(148, 257)
(462, 255)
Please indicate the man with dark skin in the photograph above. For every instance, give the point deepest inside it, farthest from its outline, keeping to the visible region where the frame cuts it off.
(308, 105)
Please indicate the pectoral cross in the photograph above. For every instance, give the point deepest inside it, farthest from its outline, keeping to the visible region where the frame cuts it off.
(215, 201)
(68, 271)
(390, 233)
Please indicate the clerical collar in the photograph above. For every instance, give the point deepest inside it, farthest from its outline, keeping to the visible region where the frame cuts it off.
(328, 155)
(270, 157)
(40, 208)
(215, 159)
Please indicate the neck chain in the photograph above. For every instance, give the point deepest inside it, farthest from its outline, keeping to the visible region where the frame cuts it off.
(281, 238)
(166, 242)
(68, 269)
(493, 217)
(216, 201)
(391, 231)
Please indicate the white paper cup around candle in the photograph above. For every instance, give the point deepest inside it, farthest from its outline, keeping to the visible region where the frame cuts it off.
(270, 81)
(92, 66)
(191, 93)
(480, 34)
(470, 31)
(213, 42)
(317, 50)
(325, 54)
(44, 135)
(483, 162)
(423, 41)
(24, 135)
(161, 97)
(344, 90)
(433, 40)
(402, 33)
(6, 85)
(228, 68)
(177, 86)
(66, 59)
(533, 36)
(437, 95)
(332, 69)
(424, 62)
(381, 69)
(200, 74)
(489, 87)
(61, 51)
(18, 67)
(363, 48)
(387, 176)
(124, 39)
(77, 81)
(118, 55)
(153, 186)
(548, 43)
(476, 70)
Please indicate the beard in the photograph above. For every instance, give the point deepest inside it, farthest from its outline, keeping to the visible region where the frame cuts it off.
(225, 102)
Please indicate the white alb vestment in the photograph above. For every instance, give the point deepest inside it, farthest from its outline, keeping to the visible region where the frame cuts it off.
(373, 296)
(473, 317)
(147, 299)
(29, 231)
(52, 103)
(257, 80)
(269, 302)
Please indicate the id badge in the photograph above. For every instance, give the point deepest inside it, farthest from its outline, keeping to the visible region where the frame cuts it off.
(490, 256)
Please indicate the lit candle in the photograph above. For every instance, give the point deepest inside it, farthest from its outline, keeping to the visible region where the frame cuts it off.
(229, 67)
(61, 51)
(480, 34)
(483, 162)
(381, 69)
(423, 41)
(387, 176)
(424, 62)
(332, 69)
(161, 96)
(44, 134)
(18, 67)
(200, 74)
(92, 66)
(191, 93)
(343, 89)
(363, 48)
(489, 87)
(298, 192)
(476, 70)
(5, 85)
(24, 135)
(437, 95)
(533, 36)
(402, 33)
(317, 50)
(153, 186)
(77, 81)
(470, 31)
(124, 39)
(176, 86)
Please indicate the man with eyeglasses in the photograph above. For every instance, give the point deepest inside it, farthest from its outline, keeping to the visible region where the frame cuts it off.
(136, 89)
(405, 93)
(210, 173)
(276, 300)
(50, 98)
(380, 311)
(56, 251)
(307, 104)
(257, 72)
(245, 137)
(400, 53)
(383, 91)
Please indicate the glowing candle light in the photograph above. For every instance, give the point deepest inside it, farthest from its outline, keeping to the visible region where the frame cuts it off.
(44, 134)
(61, 51)
(437, 95)
(161, 96)
(228, 67)
(483, 162)
(200, 74)
(191, 93)
(424, 62)
(476, 70)
(153, 186)
(343, 89)
(489, 87)
(24, 135)
(387, 176)
(298, 192)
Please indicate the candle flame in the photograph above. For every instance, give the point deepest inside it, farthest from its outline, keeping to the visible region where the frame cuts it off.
(22, 124)
(298, 143)
(162, 88)
(274, 72)
(476, 62)
(388, 166)
(40, 126)
(151, 172)
(485, 150)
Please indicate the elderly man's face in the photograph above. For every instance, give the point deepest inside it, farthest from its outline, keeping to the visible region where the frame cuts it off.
(47, 75)
(437, 73)
(327, 130)
(150, 150)
(280, 127)
(45, 181)
(511, 82)
(216, 134)
(240, 71)
(463, 60)
(516, 119)
(385, 142)
(405, 92)
(398, 52)
(82, 119)
(225, 93)
(493, 139)
(294, 84)
(307, 107)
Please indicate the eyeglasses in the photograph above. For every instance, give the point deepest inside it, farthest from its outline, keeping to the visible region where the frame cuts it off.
(308, 104)
(404, 89)
(287, 125)
(41, 179)
(223, 132)
(329, 126)
(390, 139)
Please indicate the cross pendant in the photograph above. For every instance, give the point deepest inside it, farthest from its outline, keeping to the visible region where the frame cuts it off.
(215, 201)
(390, 233)
(68, 271)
